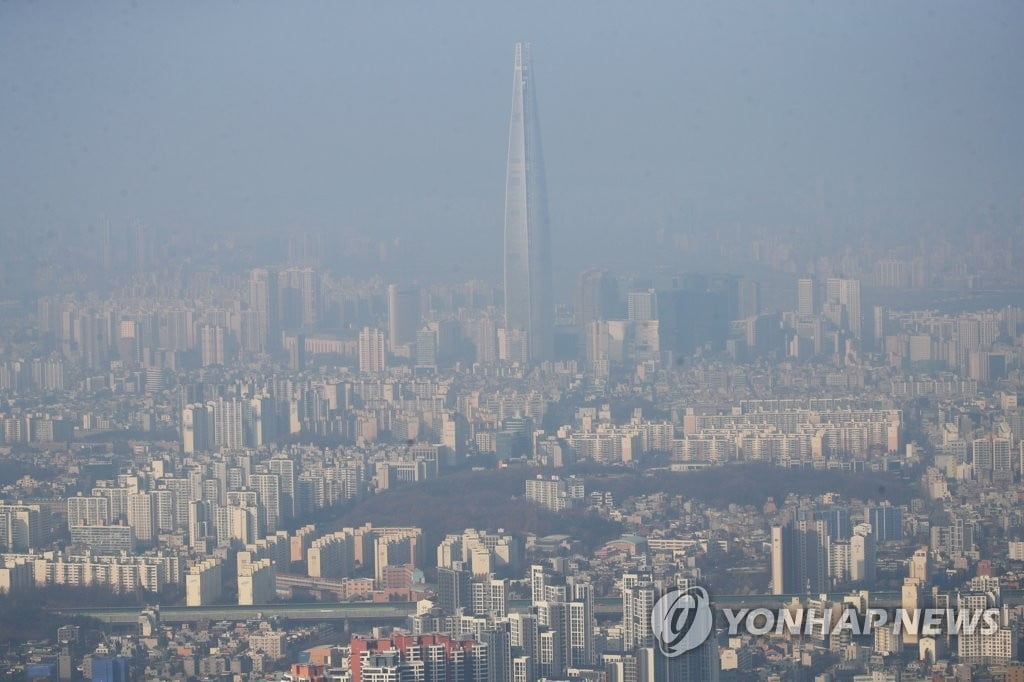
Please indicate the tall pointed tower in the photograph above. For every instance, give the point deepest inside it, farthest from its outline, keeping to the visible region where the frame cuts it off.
(528, 302)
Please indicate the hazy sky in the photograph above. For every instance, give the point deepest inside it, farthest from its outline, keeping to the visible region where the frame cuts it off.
(391, 118)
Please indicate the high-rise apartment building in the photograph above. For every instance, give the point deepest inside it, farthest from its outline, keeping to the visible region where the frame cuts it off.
(268, 491)
(299, 293)
(228, 417)
(800, 557)
(141, 517)
(88, 511)
(212, 341)
(196, 429)
(863, 554)
(430, 658)
(21, 527)
(372, 351)
(264, 301)
(203, 582)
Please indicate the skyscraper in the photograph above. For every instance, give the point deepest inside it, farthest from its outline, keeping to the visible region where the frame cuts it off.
(403, 314)
(528, 302)
(597, 296)
(846, 293)
(642, 305)
(805, 303)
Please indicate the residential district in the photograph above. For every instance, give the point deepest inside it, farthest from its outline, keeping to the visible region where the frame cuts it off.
(287, 477)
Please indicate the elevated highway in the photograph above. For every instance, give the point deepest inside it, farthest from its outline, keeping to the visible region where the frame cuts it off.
(384, 612)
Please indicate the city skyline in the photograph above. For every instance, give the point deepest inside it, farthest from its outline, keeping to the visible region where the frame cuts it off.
(670, 137)
(290, 392)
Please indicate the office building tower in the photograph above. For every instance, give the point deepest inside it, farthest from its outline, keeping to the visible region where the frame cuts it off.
(297, 352)
(426, 349)
(837, 522)
(129, 342)
(844, 297)
(806, 305)
(529, 307)
(880, 328)
(117, 669)
(694, 313)
(748, 299)
(513, 346)
(372, 352)
(404, 315)
(764, 334)
(483, 334)
(886, 522)
(449, 336)
(642, 305)
(597, 296)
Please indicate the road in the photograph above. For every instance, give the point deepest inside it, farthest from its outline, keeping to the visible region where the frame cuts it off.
(395, 611)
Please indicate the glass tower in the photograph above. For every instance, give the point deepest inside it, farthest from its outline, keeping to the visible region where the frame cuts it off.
(528, 303)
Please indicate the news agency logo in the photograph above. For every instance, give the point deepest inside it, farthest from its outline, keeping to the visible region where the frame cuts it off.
(681, 620)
